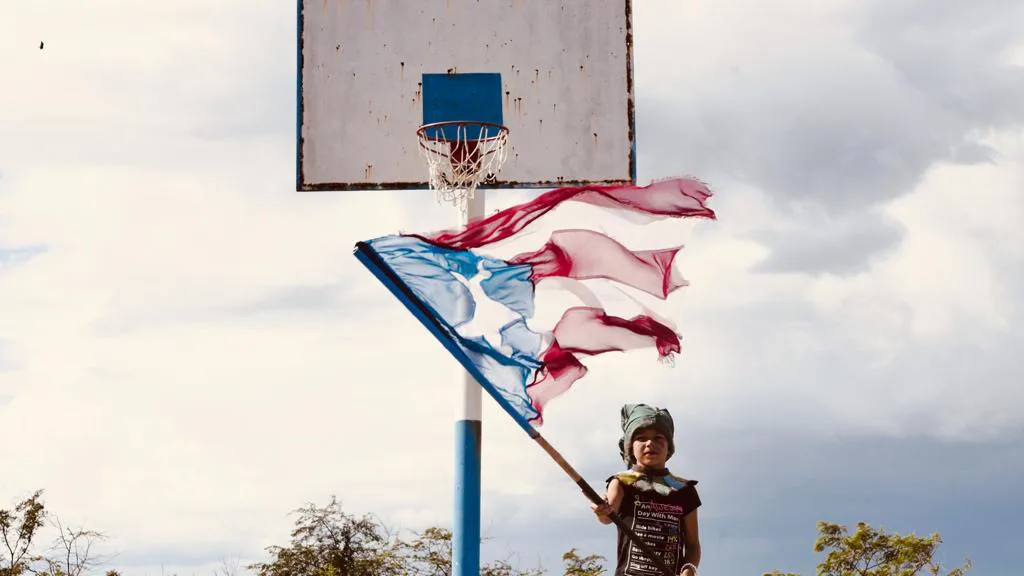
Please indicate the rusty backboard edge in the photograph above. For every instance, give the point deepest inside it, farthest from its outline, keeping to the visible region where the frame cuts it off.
(299, 178)
(302, 186)
(630, 98)
(501, 185)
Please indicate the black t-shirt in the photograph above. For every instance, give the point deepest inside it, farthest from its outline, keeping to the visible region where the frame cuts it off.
(658, 520)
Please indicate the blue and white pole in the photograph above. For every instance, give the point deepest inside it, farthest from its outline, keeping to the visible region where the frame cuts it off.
(474, 97)
(466, 525)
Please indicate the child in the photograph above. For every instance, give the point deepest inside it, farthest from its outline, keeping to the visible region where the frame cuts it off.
(659, 507)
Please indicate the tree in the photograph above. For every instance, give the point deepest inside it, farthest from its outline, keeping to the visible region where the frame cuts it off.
(873, 552)
(430, 554)
(228, 567)
(19, 529)
(576, 565)
(328, 542)
(70, 554)
(504, 568)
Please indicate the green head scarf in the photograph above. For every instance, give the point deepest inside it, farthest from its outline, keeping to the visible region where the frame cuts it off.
(637, 416)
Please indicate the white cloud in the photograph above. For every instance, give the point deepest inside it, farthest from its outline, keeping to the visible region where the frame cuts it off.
(1015, 55)
(950, 273)
(170, 389)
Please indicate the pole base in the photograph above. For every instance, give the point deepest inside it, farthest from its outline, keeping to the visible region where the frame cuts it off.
(466, 527)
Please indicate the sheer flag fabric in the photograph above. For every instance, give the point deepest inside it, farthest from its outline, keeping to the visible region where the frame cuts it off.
(482, 307)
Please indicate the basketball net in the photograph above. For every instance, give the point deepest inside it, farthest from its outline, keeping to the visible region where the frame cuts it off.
(460, 156)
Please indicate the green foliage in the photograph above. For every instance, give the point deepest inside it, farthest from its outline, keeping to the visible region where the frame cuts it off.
(503, 568)
(325, 541)
(874, 552)
(576, 565)
(430, 554)
(328, 542)
(18, 530)
(70, 554)
(871, 552)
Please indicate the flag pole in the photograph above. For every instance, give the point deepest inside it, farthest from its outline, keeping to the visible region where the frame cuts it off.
(445, 335)
(596, 498)
(468, 430)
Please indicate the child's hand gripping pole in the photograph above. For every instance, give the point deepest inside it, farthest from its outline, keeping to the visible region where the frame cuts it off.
(597, 500)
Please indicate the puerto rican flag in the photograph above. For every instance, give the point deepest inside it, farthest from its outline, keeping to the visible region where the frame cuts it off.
(482, 307)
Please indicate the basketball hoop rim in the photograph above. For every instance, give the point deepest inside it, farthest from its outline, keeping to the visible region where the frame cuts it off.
(422, 130)
(457, 163)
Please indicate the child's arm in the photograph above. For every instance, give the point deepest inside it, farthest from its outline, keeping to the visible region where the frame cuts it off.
(691, 537)
(613, 499)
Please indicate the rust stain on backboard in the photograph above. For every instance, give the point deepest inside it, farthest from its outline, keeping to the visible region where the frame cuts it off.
(630, 118)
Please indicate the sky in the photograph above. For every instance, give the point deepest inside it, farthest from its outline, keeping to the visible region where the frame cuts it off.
(189, 351)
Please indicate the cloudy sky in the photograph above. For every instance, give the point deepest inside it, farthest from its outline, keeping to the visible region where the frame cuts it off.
(188, 350)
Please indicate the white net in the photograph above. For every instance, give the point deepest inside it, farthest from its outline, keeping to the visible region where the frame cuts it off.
(460, 156)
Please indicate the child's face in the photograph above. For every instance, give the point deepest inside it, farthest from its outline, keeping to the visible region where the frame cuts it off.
(650, 448)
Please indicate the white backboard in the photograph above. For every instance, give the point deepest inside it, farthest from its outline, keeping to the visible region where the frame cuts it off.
(566, 76)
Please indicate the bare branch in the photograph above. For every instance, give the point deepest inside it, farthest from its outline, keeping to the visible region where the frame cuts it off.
(228, 567)
(71, 553)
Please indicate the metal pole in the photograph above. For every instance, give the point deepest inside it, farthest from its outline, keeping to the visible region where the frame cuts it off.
(466, 525)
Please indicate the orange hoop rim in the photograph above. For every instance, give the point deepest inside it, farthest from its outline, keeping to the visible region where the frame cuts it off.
(422, 130)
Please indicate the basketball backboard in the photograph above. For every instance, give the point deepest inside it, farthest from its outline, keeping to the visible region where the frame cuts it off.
(557, 74)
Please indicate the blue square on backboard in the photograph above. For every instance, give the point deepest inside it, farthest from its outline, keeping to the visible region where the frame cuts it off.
(467, 97)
